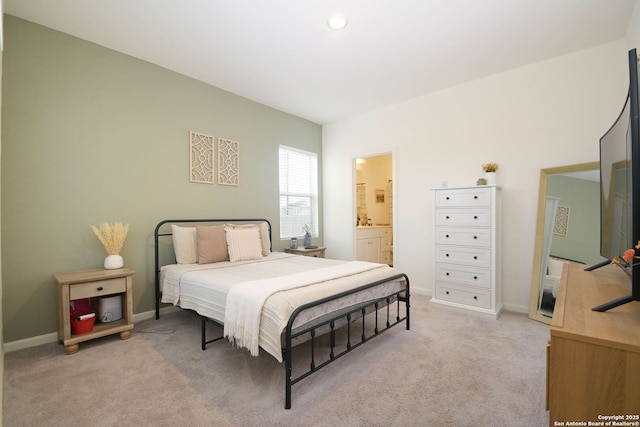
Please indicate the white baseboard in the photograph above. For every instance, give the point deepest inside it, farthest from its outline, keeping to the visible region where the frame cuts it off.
(421, 291)
(516, 308)
(53, 337)
(506, 307)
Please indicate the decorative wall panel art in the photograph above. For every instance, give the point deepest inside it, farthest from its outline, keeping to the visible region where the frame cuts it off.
(201, 158)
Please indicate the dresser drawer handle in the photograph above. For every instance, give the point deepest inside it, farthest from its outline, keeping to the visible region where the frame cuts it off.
(446, 217)
(447, 273)
(475, 217)
(475, 257)
(447, 255)
(447, 292)
(447, 197)
(475, 237)
(475, 197)
(100, 288)
(475, 277)
(446, 235)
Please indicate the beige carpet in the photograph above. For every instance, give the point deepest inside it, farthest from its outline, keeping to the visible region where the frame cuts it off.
(450, 369)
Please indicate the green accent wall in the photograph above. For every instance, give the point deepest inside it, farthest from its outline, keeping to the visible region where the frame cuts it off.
(582, 197)
(90, 135)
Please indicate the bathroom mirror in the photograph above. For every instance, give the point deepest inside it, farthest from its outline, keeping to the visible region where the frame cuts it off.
(361, 199)
(567, 230)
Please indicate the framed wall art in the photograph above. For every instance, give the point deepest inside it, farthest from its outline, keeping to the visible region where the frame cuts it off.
(228, 162)
(201, 168)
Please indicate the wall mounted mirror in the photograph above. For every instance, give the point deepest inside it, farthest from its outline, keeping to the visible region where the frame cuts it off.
(567, 230)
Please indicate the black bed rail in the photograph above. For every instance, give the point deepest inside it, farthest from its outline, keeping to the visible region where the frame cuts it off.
(157, 234)
(361, 309)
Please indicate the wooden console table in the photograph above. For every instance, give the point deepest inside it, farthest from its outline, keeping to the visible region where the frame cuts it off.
(593, 359)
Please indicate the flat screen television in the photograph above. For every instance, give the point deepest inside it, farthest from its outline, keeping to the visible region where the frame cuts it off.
(620, 187)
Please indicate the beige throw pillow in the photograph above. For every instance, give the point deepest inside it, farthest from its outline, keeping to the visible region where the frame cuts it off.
(212, 244)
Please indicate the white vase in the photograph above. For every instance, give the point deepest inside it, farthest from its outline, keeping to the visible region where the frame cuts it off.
(491, 178)
(113, 261)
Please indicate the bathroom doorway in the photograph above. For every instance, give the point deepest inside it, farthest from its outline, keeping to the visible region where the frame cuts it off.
(373, 197)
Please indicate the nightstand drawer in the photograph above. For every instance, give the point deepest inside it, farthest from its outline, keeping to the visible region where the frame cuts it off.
(97, 288)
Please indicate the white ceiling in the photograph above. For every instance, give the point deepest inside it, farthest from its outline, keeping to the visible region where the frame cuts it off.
(282, 54)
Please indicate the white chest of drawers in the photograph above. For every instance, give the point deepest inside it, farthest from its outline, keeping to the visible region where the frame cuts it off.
(467, 248)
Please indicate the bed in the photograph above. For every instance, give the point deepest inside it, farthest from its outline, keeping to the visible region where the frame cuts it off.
(225, 271)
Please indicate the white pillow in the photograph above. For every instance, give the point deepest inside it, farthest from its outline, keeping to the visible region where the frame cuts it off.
(244, 243)
(264, 234)
(185, 244)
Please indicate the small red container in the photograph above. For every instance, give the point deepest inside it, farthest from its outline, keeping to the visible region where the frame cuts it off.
(83, 326)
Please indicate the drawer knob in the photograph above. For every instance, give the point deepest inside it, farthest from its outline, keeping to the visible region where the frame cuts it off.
(446, 217)
(475, 277)
(446, 235)
(100, 288)
(475, 297)
(475, 197)
(475, 237)
(446, 255)
(447, 197)
(447, 292)
(475, 257)
(475, 217)
(447, 273)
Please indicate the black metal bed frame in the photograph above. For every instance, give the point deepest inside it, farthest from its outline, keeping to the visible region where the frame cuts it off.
(327, 324)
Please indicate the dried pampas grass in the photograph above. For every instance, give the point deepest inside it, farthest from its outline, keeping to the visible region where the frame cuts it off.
(111, 236)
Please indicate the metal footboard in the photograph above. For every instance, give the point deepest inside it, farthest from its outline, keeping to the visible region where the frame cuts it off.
(329, 324)
(357, 311)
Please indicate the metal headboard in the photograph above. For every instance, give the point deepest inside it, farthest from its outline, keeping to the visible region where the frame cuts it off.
(157, 234)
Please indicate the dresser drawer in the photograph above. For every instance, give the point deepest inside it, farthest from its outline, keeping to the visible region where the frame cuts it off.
(479, 237)
(97, 288)
(473, 257)
(464, 217)
(467, 197)
(480, 298)
(461, 275)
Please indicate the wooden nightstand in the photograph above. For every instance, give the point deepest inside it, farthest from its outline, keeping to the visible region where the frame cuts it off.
(93, 284)
(315, 252)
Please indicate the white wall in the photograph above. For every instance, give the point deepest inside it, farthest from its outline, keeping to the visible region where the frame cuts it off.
(633, 32)
(547, 114)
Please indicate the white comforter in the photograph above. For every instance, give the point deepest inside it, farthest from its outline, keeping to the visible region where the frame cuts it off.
(207, 288)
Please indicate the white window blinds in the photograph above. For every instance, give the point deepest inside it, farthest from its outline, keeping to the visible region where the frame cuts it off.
(298, 192)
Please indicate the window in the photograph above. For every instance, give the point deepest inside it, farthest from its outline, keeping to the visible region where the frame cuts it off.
(298, 192)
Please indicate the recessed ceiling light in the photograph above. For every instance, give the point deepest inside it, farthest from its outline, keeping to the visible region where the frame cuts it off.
(337, 22)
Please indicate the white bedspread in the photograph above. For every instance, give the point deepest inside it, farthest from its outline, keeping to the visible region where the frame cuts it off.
(204, 289)
(245, 300)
